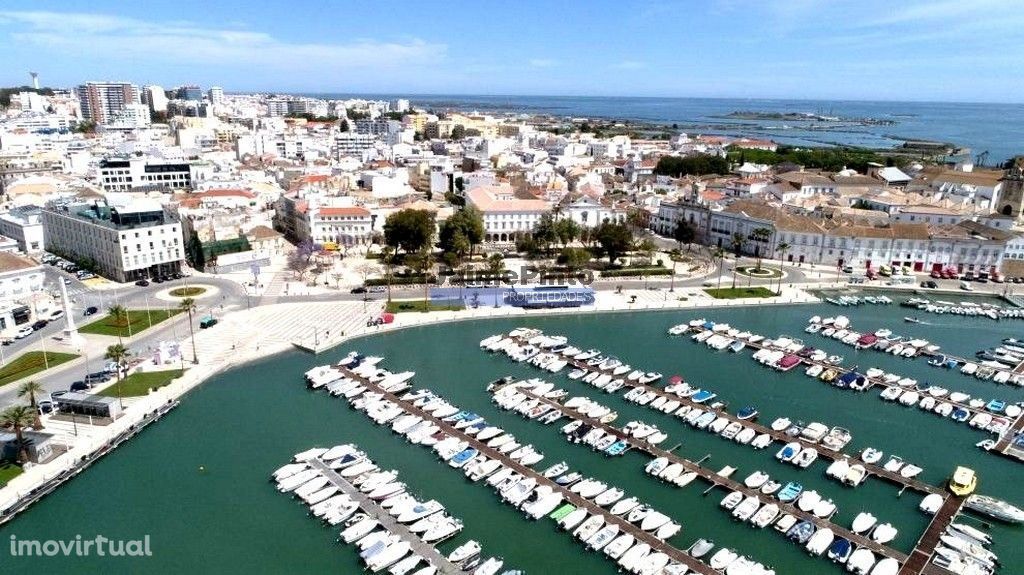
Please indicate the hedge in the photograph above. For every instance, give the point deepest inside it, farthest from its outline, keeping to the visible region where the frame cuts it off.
(631, 273)
(400, 280)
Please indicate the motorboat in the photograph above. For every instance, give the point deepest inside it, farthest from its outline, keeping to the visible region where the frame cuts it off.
(790, 492)
(871, 455)
(701, 548)
(863, 522)
(861, 561)
(884, 533)
(995, 508)
(820, 541)
(756, 479)
(840, 550)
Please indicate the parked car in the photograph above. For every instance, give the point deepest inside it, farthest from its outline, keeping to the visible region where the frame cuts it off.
(98, 377)
(359, 289)
(91, 310)
(142, 283)
(45, 406)
(936, 274)
(929, 284)
(158, 279)
(79, 386)
(378, 289)
(847, 269)
(968, 276)
(23, 332)
(208, 321)
(966, 286)
(56, 314)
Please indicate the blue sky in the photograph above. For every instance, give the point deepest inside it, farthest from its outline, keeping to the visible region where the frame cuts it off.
(944, 50)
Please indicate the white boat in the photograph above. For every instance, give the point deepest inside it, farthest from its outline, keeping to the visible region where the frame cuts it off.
(863, 522)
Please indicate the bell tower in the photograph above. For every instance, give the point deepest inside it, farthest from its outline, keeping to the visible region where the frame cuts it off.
(1011, 197)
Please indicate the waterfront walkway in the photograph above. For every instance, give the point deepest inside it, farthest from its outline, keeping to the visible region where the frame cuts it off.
(371, 508)
(568, 496)
(718, 480)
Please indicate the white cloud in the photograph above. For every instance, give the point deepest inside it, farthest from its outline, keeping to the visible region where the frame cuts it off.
(629, 65)
(543, 63)
(118, 38)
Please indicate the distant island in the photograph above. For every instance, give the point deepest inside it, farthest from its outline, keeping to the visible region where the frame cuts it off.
(803, 117)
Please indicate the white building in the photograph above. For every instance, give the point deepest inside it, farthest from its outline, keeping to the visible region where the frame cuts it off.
(101, 100)
(125, 240)
(505, 216)
(130, 117)
(155, 97)
(24, 225)
(20, 277)
(147, 173)
(216, 95)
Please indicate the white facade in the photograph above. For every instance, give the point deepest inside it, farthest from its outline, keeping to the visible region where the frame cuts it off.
(25, 226)
(125, 175)
(505, 216)
(126, 242)
(19, 278)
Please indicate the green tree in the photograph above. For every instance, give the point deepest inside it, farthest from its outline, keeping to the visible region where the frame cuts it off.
(410, 230)
(647, 248)
(698, 165)
(188, 305)
(18, 417)
(544, 233)
(495, 265)
(720, 256)
(684, 233)
(615, 239)
(120, 315)
(196, 255)
(574, 258)
(782, 248)
(387, 257)
(567, 231)
(738, 240)
(458, 132)
(465, 228)
(31, 388)
(119, 354)
(636, 218)
(761, 235)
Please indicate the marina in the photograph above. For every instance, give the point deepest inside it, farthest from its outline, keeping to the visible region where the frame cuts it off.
(717, 480)
(642, 537)
(283, 416)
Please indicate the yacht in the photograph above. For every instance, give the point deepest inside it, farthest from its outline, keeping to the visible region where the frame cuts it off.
(995, 508)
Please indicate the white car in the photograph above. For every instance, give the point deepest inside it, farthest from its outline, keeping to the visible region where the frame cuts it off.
(57, 313)
(24, 332)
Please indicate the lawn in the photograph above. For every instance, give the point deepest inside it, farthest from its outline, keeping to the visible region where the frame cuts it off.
(187, 291)
(31, 362)
(139, 320)
(740, 292)
(418, 305)
(140, 382)
(8, 472)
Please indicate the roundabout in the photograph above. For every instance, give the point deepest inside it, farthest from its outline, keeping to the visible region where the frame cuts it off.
(194, 291)
(765, 273)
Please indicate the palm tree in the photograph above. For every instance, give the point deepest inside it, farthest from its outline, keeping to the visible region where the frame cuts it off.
(782, 248)
(119, 313)
(387, 254)
(720, 256)
(760, 235)
(31, 388)
(188, 305)
(19, 417)
(737, 246)
(118, 354)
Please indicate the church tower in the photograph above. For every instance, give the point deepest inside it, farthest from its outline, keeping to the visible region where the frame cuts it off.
(1011, 197)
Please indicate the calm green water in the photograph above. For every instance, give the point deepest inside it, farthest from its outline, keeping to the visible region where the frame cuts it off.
(245, 423)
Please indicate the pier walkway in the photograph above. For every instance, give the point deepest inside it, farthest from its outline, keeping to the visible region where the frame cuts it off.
(371, 508)
(641, 536)
(918, 562)
(844, 370)
(781, 436)
(717, 480)
(1007, 444)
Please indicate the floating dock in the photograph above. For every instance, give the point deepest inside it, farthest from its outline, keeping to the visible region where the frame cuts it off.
(641, 536)
(371, 508)
(717, 480)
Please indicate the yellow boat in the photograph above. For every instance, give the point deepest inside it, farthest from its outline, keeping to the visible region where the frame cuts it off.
(963, 481)
(829, 375)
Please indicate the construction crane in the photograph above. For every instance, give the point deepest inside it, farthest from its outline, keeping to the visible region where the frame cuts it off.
(981, 158)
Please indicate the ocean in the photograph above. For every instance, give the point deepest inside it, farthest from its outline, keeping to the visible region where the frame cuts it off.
(995, 128)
